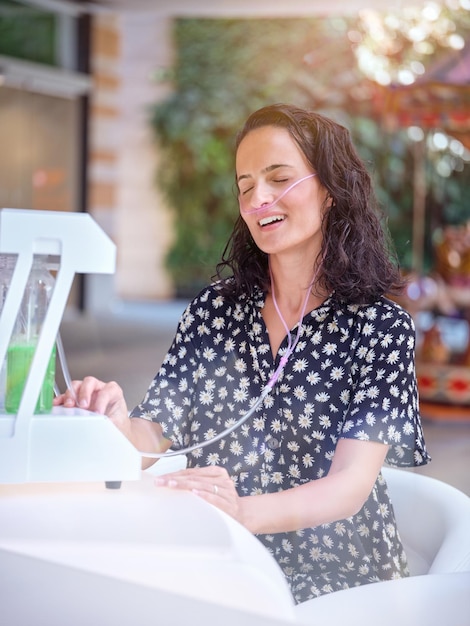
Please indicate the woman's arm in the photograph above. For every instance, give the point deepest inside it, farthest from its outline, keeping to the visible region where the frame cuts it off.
(340, 494)
(147, 436)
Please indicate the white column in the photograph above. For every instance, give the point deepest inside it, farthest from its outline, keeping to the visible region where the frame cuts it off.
(143, 223)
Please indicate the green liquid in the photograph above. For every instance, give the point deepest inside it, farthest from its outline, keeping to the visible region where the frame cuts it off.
(19, 359)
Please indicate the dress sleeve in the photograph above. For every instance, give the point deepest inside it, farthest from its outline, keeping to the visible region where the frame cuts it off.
(384, 404)
(168, 399)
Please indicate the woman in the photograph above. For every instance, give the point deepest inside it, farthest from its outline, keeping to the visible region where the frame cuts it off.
(304, 312)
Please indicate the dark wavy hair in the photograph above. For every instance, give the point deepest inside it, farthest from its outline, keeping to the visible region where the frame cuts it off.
(357, 258)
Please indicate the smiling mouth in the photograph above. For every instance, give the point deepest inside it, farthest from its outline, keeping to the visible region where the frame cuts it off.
(271, 220)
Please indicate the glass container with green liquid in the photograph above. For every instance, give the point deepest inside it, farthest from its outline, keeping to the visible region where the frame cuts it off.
(19, 357)
(24, 340)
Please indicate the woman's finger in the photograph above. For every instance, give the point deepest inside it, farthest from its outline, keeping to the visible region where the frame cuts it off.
(210, 472)
(213, 483)
(68, 398)
(97, 396)
(186, 482)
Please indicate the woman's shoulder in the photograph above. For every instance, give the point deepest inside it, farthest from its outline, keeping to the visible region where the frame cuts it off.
(381, 312)
(390, 309)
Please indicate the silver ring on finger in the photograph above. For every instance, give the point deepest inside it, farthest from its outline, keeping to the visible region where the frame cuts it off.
(215, 489)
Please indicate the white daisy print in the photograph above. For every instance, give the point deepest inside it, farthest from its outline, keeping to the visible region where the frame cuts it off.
(351, 376)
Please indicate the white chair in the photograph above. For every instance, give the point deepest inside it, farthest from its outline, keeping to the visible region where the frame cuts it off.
(433, 519)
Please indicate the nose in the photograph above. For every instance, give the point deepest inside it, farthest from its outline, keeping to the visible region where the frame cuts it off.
(261, 196)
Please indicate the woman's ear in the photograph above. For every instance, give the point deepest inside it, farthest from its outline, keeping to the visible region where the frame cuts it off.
(328, 201)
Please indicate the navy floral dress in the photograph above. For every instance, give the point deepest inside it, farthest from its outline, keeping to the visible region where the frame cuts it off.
(351, 375)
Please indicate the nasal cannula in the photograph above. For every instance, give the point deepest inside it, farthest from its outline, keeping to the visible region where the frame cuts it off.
(269, 205)
(269, 385)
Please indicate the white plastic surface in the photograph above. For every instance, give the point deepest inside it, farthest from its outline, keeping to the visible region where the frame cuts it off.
(432, 600)
(433, 520)
(136, 538)
(69, 445)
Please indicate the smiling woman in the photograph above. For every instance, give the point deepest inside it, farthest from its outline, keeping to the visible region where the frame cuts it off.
(272, 200)
(302, 335)
(279, 146)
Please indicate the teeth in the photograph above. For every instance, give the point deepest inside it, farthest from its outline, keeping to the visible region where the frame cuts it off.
(271, 219)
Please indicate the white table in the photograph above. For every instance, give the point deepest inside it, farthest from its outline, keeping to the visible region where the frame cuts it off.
(83, 555)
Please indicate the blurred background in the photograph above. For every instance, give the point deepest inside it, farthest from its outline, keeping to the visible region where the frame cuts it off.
(128, 110)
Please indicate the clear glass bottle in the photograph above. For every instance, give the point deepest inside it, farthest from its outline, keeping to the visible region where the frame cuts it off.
(24, 340)
(7, 265)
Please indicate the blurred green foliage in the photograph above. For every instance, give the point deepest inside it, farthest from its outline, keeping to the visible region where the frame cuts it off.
(27, 32)
(224, 70)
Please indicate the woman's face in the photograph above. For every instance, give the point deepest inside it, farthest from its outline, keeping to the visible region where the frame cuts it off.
(268, 161)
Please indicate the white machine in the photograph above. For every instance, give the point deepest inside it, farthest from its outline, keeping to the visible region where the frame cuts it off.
(68, 444)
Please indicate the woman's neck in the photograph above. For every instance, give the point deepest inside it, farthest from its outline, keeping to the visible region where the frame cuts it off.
(291, 281)
(289, 299)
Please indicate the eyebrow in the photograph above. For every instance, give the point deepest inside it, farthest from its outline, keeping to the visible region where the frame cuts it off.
(270, 168)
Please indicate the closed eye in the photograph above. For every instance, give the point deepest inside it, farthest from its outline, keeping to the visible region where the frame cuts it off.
(280, 181)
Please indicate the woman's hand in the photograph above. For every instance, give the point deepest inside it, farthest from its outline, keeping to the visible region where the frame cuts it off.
(336, 496)
(108, 399)
(211, 483)
(100, 397)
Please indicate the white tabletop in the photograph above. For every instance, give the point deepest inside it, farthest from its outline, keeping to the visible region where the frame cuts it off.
(79, 551)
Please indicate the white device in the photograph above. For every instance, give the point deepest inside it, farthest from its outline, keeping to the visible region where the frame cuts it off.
(67, 444)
